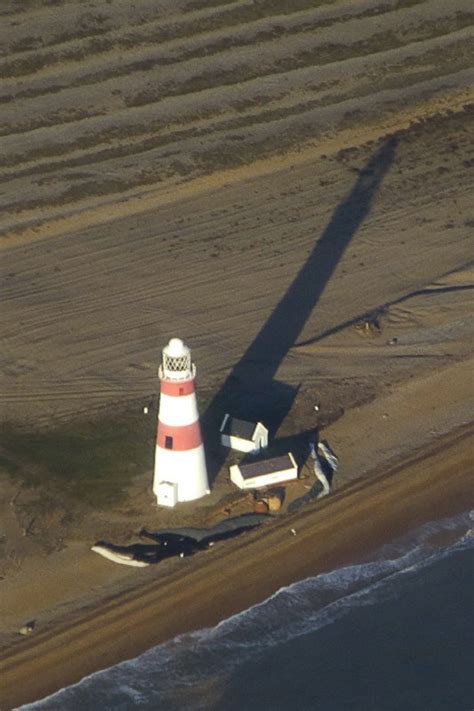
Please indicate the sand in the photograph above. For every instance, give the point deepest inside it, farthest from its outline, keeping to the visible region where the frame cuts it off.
(343, 530)
(228, 179)
(229, 174)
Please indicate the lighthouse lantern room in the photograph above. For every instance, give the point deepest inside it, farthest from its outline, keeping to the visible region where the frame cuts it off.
(180, 464)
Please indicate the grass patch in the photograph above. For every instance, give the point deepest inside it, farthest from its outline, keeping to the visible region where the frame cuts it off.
(8, 466)
(90, 461)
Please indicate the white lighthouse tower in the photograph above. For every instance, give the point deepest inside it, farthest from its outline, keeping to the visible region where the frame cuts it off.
(180, 465)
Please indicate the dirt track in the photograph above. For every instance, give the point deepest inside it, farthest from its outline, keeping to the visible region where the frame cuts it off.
(101, 101)
(168, 169)
(285, 185)
(256, 177)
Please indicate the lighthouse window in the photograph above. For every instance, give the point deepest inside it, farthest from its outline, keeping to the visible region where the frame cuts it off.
(168, 443)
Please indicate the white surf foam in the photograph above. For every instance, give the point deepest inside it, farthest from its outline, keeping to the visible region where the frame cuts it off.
(177, 674)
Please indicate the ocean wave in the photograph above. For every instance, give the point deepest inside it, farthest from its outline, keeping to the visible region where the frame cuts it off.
(189, 671)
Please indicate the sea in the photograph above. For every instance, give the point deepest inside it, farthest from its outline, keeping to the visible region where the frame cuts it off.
(394, 632)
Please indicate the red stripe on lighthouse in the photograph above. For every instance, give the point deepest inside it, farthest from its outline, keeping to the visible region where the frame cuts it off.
(179, 439)
(177, 387)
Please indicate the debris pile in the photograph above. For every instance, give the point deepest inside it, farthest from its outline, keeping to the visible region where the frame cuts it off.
(325, 464)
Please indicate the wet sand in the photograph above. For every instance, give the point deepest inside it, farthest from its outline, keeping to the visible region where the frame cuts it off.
(155, 176)
(234, 576)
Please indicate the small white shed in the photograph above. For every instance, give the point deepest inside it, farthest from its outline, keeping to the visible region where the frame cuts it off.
(167, 493)
(242, 435)
(265, 472)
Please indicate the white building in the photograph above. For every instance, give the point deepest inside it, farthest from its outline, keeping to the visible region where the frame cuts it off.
(265, 472)
(242, 435)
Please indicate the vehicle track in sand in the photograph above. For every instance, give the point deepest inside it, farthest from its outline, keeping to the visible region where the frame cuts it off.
(170, 167)
(107, 102)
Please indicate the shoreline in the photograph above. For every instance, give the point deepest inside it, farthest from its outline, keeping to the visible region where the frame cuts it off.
(289, 191)
(340, 530)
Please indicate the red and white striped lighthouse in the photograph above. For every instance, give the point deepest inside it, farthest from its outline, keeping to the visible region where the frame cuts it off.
(180, 464)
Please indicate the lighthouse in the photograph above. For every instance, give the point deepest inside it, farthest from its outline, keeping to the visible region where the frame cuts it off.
(180, 464)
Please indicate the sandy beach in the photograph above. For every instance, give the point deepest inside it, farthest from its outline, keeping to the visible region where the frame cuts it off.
(344, 529)
(288, 189)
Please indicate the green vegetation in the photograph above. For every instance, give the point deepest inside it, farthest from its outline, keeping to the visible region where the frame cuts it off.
(89, 461)
(8, 466)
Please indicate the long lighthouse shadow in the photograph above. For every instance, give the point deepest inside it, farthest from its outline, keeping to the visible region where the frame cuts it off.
(250, 391)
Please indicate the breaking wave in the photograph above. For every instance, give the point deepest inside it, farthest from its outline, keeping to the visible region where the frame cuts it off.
(190, 671)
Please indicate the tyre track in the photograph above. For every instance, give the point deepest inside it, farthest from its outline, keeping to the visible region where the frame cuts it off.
(190, 209)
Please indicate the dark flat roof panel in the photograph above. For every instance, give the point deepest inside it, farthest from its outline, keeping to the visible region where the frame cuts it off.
(266, 466)
(239, 428)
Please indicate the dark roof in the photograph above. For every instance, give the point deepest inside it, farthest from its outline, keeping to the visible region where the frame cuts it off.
(239, 428)
(266, 466)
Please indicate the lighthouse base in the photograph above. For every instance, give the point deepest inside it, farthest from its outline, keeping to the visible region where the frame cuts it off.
(180, 476)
